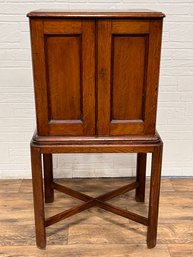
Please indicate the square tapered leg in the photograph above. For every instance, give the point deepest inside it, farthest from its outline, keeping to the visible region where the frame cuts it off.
(140, 177)
(48, 178)
(38, 197)
(154, 196)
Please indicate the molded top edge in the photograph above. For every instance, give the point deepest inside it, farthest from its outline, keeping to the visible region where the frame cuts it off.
(145, 13)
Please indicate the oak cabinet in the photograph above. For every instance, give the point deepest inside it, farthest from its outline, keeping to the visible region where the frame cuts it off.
(96, 75)
(96, 86)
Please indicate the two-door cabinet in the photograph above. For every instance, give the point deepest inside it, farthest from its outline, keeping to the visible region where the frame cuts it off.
(96, 86)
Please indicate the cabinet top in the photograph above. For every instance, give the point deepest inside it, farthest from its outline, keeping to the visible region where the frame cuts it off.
(95, 14)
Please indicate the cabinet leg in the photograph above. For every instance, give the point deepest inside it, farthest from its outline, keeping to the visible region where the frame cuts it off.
(154, 196)
(48, 178)
(38, 197)
(140, 177)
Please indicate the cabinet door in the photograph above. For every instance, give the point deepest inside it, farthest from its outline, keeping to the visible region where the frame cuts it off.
(64, 75)
(128, 69)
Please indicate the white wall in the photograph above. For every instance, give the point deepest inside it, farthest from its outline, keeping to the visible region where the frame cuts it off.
(175, 112)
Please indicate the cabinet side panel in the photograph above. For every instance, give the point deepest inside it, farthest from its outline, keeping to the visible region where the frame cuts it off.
(64, 76)
(39, 75)
(155, 37)
(128, 61)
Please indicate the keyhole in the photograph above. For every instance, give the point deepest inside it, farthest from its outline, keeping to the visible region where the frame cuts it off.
(102, 72)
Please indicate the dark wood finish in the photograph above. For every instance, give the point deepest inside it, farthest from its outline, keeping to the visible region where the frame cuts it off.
(123, 213)
(43, 140)
(139, 146)
(68, 213)
(96, 86)
(63, 62)
(103, 78)
(154, 196)
(129, 52)
(80, 237)
(152, 76)
(98, 201)
(132, 13)
(117, 192)
(48, 178)
(71, 192)
(140, 177)
(39, 76)
(127, 87)
(103, 148)
(64, 76)
(103, 197)
(38, 197)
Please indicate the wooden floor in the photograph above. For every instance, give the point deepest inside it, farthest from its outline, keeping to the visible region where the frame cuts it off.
(96, 232)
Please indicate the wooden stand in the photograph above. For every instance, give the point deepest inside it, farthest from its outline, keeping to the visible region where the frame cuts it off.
(142, 146)
(96, 83)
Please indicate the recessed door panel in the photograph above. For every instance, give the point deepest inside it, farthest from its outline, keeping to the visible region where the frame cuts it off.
(128, 61)
(64, 77)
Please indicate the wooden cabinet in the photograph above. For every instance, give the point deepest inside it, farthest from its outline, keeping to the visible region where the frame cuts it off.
(96, 86)
(96, 74)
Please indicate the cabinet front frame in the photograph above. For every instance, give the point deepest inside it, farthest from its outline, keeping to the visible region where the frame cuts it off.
(41, 29)
(106, 29)
(96, 75)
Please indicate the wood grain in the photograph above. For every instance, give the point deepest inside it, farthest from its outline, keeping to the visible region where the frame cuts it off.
(127, 83)
(134, 27)
(141, 177)
(10, 185)
(128, 233)
(102, 250)
(38, 197)
(179, 250)
(154, 196)
(128, 57)
(65, 83)
(23, 235)
(182, 184)
(152, 76)
(63, 67)
(95, 77)
(103, 76)
(96, 231)
(130, 13)
(56, 26)
(39, 76)
(48, 178)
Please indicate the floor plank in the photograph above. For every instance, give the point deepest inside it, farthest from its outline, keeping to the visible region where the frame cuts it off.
(10, 185)
(22, 235)
(87, 251)
(128, 233)
(96, 232)
(183, 184)
(179, 250)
